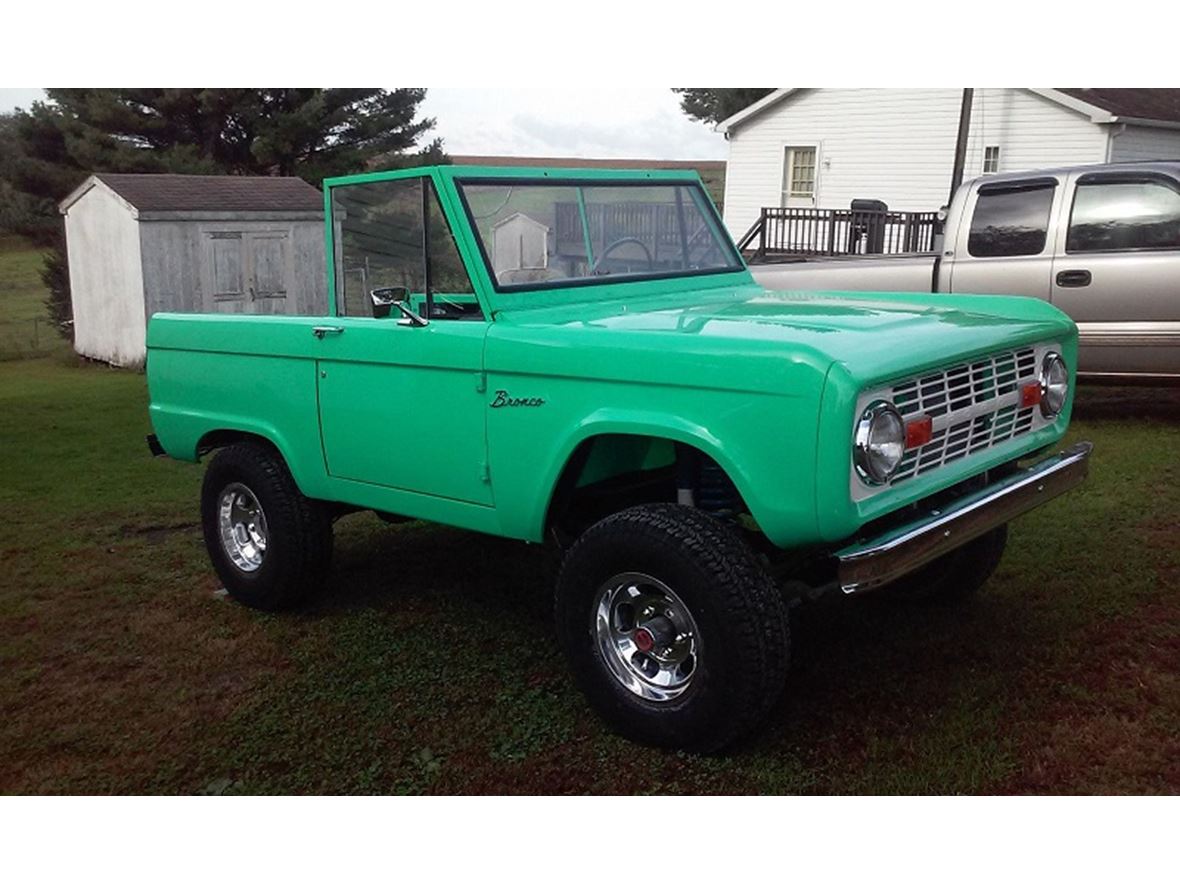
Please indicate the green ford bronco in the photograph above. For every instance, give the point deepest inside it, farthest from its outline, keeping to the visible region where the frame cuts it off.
(582, 357)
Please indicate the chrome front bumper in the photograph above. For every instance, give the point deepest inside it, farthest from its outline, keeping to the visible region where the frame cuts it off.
(872, 563)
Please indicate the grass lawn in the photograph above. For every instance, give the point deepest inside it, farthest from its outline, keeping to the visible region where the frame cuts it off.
(428, 665)
(25, 329)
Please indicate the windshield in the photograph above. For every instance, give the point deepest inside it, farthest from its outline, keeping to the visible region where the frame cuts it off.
(553, 233)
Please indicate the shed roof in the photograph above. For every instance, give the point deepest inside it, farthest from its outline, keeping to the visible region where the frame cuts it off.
(207, 193)
(588, 162)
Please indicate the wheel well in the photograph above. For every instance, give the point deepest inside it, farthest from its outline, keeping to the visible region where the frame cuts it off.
(218, 439)
(611, 472)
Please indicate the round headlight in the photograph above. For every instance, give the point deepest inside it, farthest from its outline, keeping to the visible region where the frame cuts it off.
(1054, 384)
(879, 443)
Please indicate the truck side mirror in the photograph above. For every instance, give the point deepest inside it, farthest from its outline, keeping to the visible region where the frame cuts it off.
(383, 299)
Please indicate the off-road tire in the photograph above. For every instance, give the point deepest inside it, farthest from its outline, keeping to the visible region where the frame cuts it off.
(737, 608)
(955, 576)
(299, 546)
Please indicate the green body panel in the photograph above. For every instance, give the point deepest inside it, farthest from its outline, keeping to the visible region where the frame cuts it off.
(472, 423)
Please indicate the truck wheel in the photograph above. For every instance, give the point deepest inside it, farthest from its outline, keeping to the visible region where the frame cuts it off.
(955, 576)
(674, 631)
(270, 545)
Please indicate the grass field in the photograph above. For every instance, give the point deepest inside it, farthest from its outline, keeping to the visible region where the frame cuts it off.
(428, 665)
(25, 329)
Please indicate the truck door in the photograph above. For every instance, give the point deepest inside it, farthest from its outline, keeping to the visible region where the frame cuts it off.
(401, 404)
(1117, 271)
(1003, 245)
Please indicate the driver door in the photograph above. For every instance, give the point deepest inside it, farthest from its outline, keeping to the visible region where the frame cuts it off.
(400, 404)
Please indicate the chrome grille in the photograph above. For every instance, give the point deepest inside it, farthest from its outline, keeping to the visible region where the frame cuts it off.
(962, 386)
(973, 406)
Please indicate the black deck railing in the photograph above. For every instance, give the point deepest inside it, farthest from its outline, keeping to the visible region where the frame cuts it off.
(780, 233)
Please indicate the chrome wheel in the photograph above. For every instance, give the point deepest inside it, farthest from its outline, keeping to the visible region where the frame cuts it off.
(646, 636)
(242, 526)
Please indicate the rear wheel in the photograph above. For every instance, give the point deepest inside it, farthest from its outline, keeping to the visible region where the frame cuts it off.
(674, 631)
(270, 545)
(956, 575)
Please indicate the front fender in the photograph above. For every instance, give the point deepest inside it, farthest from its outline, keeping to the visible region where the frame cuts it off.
(749, 436)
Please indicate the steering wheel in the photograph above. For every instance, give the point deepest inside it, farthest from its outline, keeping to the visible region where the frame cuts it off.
(651, 262)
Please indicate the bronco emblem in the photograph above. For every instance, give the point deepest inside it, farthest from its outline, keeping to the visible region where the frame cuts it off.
(503, 399)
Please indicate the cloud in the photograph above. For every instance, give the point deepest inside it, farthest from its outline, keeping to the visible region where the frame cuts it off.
(11, 99)
(642, 123)
(632, 123)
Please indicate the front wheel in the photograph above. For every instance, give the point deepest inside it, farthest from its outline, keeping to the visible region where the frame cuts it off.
(676, 634)
(270, 545)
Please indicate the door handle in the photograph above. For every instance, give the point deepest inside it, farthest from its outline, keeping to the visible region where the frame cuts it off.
(1073, 279)
(321, 331)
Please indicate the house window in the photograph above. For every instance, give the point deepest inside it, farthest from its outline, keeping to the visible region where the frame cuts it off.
(991, 158)
(799, 174)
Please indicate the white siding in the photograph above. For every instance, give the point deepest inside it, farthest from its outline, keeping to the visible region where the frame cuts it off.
(897, 145)
(106, 278)
(1145, 143)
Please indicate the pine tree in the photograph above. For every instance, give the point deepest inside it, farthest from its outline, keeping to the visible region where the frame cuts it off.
(47, 151)
(715, 105)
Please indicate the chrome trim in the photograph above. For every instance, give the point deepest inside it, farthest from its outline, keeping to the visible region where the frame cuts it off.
(646, 636)
(860, 442)
(1133, 333)
(870, 564)
(1130, 379)
(241, 523)
(974, 404)
(1051, 358)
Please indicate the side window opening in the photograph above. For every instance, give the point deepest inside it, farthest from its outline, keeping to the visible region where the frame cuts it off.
(1111, 216)
(1011, 220)
(393, 235)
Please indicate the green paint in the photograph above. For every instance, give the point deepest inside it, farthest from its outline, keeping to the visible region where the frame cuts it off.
(397, 419)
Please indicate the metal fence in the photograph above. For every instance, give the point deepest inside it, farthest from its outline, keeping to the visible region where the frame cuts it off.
(787, 232)
(26, 338)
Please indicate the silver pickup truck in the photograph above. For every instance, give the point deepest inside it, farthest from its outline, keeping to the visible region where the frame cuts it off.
(1102, 243)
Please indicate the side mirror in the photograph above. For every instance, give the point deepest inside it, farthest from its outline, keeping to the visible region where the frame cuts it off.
(385, 298)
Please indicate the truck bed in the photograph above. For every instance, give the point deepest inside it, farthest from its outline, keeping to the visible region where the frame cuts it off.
(851, 273)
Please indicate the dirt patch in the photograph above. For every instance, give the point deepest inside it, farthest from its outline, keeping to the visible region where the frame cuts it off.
(118, 687)
(1111, 723)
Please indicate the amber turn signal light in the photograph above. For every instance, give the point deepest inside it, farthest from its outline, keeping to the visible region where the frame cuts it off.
(918, 432)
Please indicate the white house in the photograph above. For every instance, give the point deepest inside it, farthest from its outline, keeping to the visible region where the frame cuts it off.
(139, 244)
(823, 148)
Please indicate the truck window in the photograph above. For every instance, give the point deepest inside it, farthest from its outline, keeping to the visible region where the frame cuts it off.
(1010, 220)
(1115, 215)
(379, 229)
(553, 233)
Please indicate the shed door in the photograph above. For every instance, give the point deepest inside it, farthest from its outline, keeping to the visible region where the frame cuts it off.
(226, 272)
(248, 271)
(269, 264)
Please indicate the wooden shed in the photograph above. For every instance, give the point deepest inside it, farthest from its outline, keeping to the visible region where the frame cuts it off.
(142, 244)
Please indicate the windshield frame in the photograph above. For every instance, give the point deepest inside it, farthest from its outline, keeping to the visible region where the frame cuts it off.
(693, 184)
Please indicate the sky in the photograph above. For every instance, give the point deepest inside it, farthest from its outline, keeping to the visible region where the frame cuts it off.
(639, 123)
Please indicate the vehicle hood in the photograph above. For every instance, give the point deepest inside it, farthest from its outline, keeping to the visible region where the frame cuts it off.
(875, 336)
